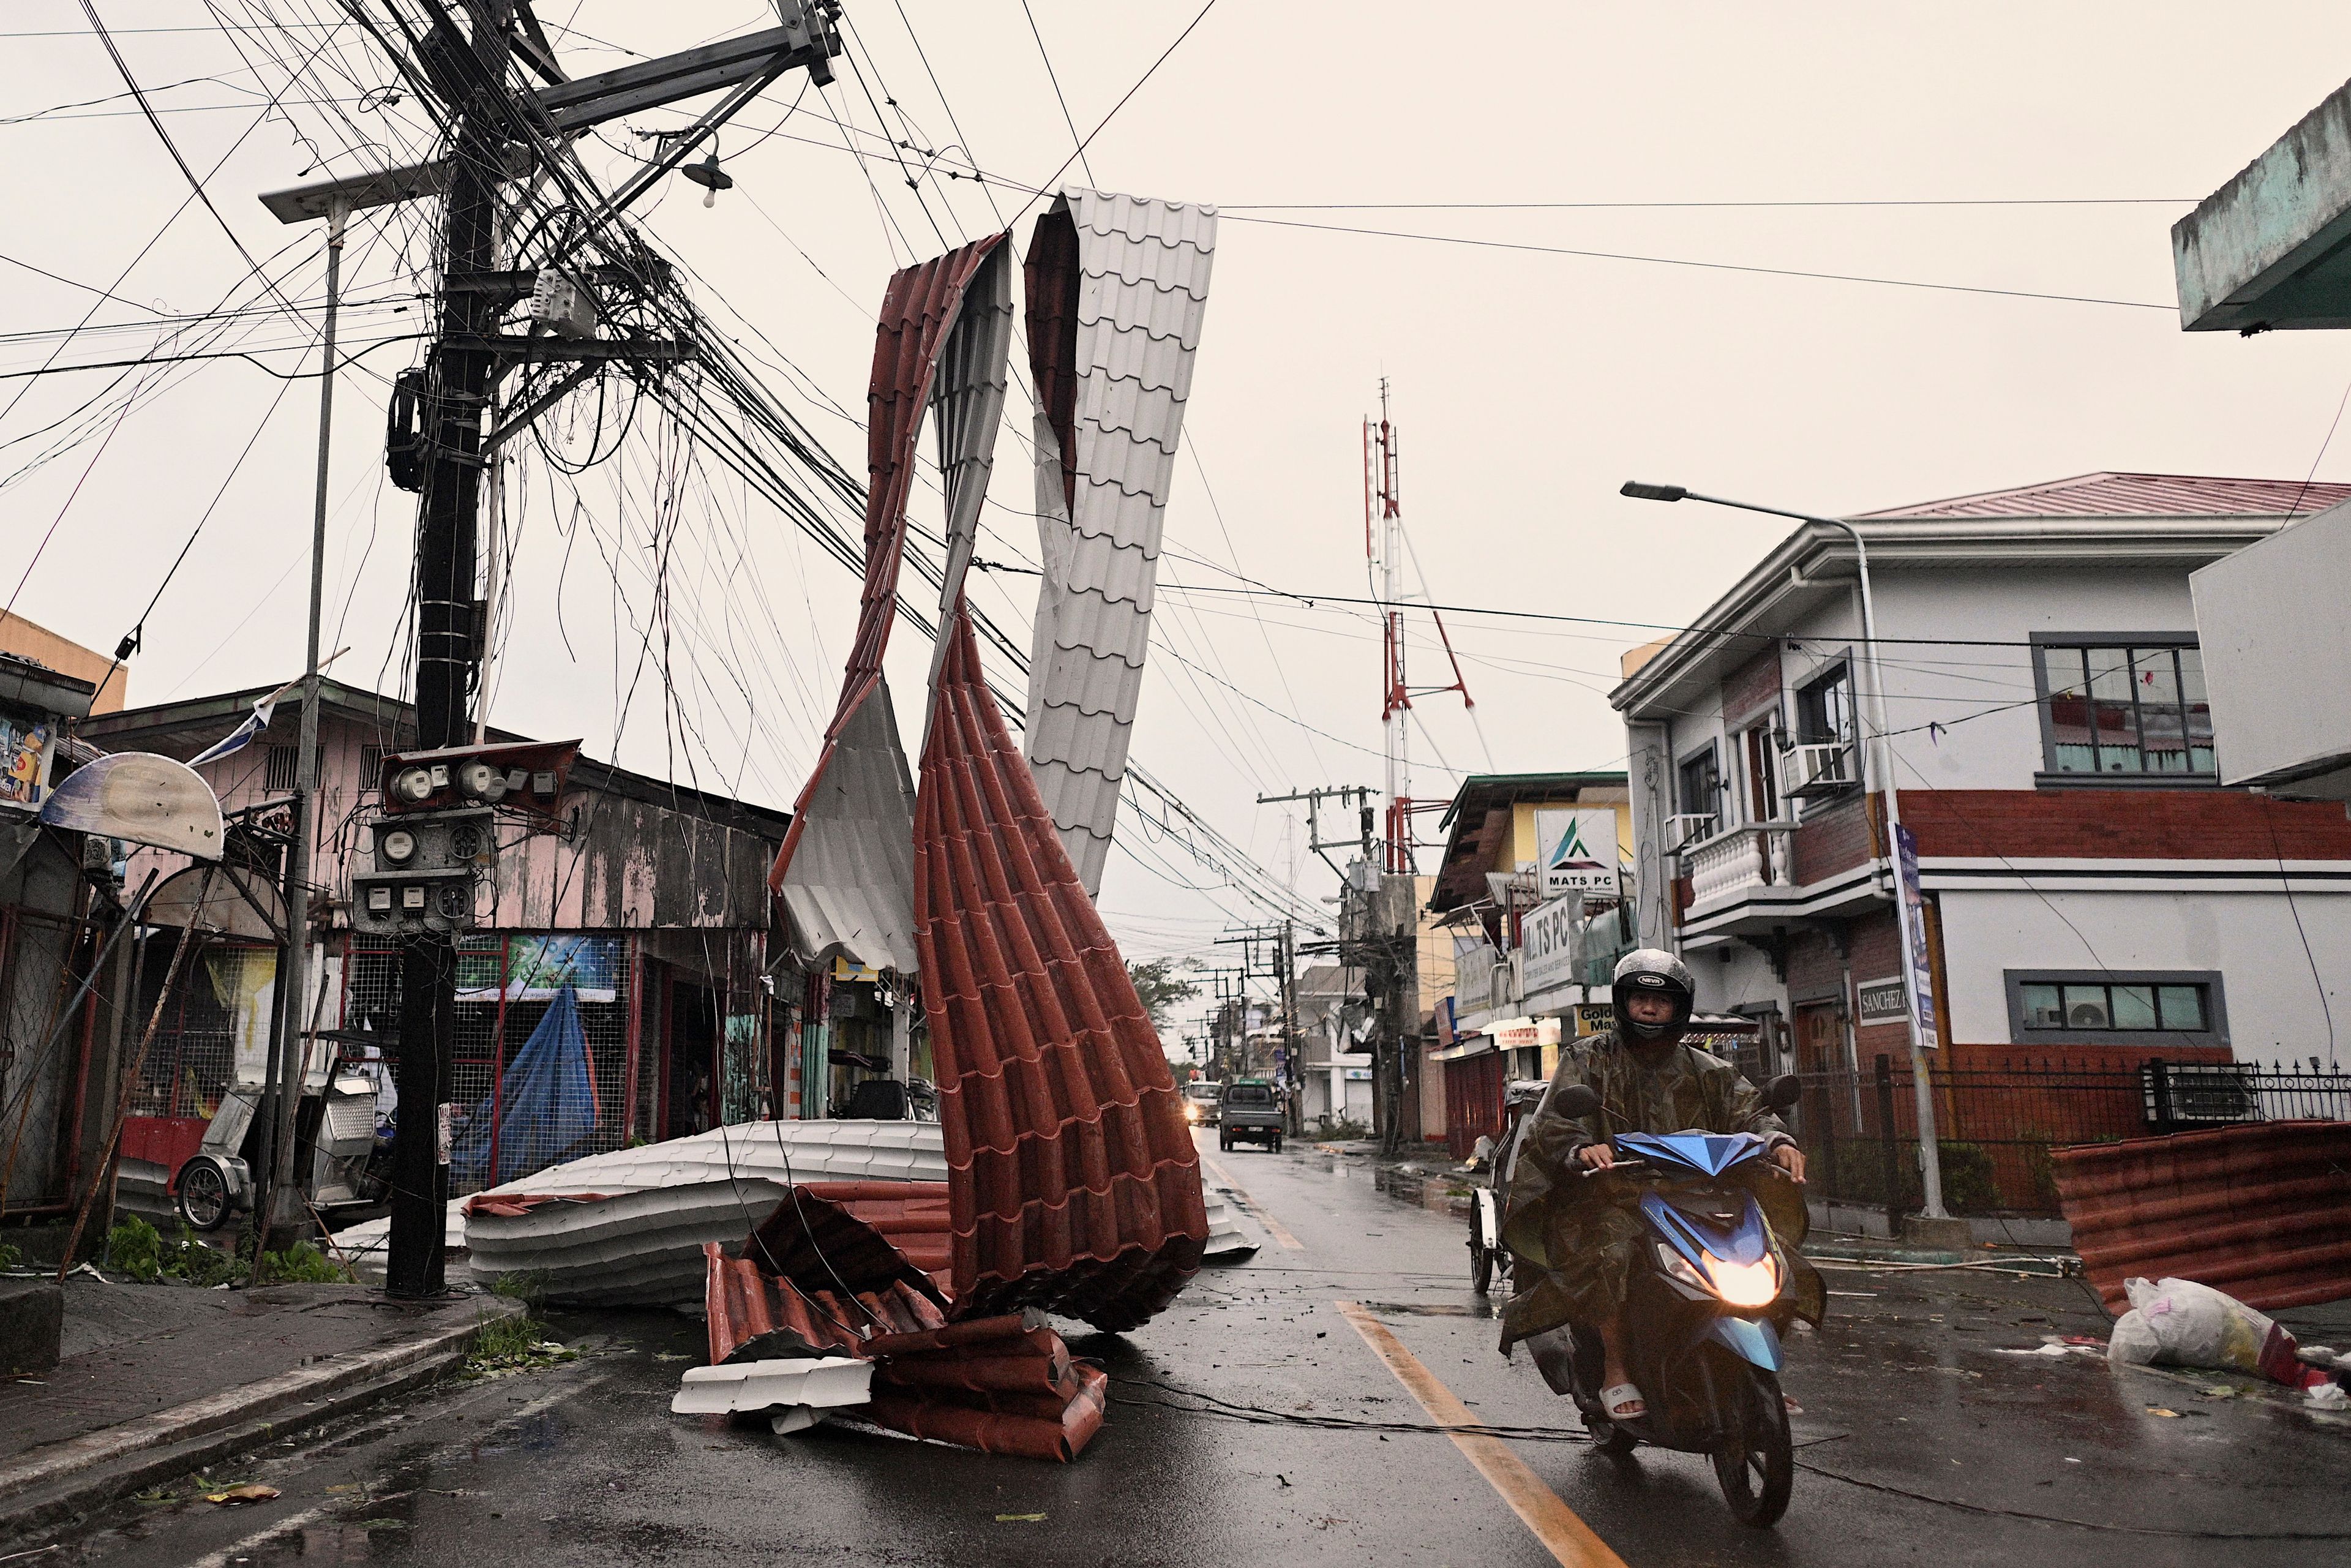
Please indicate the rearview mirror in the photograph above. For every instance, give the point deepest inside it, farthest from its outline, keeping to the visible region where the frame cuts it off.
(1784, 1092)
(1576, 1101)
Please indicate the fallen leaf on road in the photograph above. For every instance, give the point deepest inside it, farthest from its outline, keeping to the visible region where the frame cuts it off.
(1019, 1519)
(2159, 1410)
(251, 1492)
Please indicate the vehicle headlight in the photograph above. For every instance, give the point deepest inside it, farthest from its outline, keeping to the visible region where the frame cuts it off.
(399, 846)
(1755, 1284)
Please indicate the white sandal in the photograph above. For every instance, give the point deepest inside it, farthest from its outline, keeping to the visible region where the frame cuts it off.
(1622, 1402)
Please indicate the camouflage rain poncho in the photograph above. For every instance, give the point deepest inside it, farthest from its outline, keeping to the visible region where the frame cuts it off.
(1575, 1238)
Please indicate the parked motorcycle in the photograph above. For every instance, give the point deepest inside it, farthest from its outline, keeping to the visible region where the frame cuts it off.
(1489, 1260)
(1703, 1315)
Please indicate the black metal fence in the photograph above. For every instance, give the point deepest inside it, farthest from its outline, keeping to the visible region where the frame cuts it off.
(1996, 1125)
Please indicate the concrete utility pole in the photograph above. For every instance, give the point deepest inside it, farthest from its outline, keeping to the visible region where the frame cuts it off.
(1383, 512)
(1877, 758)
(468, 72)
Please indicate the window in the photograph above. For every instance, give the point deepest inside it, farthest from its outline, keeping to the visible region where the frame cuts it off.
(371, 766)
(1763, 773)
(2090, 1007)
(1249, 1094)
(1824, 709)
(277, 768)
(1826, 763)
(1698, 784)
(2129, 707)
(1697, 797)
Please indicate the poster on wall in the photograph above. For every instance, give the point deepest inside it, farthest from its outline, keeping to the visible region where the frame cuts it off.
(1579, 852)
(1916, 958)
(536, 967)
(24, 749)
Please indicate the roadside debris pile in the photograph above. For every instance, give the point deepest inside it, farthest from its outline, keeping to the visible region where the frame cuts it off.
(2178, 1322)
(840, 1305)
(632, 1223)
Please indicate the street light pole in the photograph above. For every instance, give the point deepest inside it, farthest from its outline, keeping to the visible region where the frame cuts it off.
(1878, 756)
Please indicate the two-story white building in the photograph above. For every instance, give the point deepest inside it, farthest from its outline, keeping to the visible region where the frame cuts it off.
(2092, 889)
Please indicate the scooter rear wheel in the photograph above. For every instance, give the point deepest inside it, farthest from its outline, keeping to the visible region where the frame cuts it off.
(1756, 1464)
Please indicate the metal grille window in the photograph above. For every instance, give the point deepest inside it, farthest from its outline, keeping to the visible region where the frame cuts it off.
(370, 766)
(277, 771)
(214, 1022)
(532, 1090)
(2122, 708)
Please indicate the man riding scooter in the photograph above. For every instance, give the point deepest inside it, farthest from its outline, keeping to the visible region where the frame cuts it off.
(1584, 1235)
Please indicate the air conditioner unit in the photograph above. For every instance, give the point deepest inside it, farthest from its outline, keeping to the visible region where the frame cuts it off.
(1817, 770)
(1688, 829)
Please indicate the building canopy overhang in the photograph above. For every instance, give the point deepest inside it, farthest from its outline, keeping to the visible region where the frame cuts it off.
(2272, 248)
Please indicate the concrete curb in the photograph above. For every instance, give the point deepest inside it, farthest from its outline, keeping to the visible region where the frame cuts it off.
(72, 1476)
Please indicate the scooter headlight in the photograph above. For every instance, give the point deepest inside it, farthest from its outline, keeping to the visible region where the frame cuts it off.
(1755, 1284)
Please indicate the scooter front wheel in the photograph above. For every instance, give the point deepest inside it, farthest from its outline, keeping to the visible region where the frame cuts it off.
(1756, 1463)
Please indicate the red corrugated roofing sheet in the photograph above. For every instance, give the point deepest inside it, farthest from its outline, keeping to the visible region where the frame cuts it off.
(2112, 495)
(917, 313)
(1074, 1184)
(2261, 1212)
(1050, 274)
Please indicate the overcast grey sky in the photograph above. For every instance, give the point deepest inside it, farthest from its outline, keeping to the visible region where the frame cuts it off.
(1526, 384)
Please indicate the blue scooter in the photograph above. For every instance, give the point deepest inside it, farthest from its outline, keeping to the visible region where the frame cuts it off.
(1707, 1301)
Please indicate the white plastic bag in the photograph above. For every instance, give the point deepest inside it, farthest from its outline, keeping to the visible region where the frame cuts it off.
(2179, 1322)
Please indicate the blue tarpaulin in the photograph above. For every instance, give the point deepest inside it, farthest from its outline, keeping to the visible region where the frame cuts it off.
(545, 1103)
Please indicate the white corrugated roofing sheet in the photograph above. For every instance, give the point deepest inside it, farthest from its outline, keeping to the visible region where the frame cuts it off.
(849, 888)
(1142, 290)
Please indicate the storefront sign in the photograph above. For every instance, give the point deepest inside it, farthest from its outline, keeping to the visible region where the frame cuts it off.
(1880, 1001)
(1591, 1018)
(536, 967)
(1524, 1034)
(1547, 938)
(1579, 852)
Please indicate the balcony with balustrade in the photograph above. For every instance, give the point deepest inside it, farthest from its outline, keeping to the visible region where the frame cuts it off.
(1742, 881)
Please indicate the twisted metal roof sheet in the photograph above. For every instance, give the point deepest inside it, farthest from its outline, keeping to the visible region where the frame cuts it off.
(1075, 1185)
(2116, 495)
(845, 871)
(1117, 286)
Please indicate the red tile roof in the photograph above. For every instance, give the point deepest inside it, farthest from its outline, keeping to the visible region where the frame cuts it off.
(2111, 494)
(1072, 1178)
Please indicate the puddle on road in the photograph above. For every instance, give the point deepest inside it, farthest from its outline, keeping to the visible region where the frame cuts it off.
(1439, 1192)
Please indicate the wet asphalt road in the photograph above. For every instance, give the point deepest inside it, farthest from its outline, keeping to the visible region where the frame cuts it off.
(1905, 1396)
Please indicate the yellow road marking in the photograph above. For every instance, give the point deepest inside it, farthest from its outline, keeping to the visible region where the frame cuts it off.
(1539, 1507)
(1256, 1210)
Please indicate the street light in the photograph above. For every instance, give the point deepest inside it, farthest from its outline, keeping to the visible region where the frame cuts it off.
(1877, 759)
